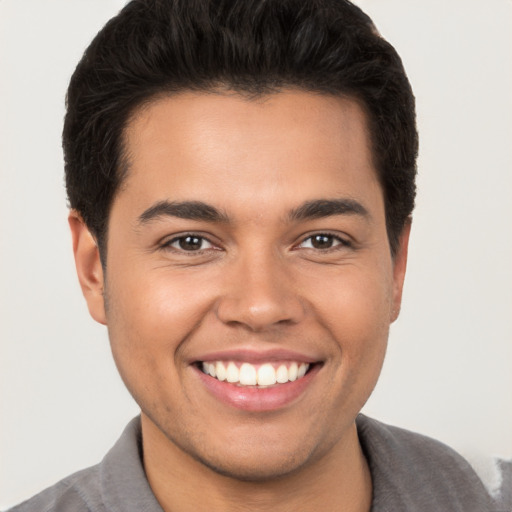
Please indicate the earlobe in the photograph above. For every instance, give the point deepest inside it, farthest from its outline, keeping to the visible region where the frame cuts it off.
(88, 266)
(399, 268)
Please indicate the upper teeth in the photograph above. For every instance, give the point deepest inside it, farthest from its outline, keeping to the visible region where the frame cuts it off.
(251, 375)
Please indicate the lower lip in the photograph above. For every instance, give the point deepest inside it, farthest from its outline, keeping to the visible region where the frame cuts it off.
(257, 399)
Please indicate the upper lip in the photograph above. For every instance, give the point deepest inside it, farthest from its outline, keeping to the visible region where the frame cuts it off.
(254, 356)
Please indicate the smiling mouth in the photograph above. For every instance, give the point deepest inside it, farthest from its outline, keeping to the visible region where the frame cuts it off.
(260, 375)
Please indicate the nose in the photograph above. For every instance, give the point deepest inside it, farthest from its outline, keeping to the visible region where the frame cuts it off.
(260, 294)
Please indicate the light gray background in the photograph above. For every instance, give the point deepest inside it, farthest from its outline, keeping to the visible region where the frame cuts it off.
(449, 367)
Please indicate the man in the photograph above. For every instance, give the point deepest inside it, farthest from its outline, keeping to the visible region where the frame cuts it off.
(241, 178)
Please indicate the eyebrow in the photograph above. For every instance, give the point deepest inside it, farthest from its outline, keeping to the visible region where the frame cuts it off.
(191, 210)
(320, 208)
(197, 210)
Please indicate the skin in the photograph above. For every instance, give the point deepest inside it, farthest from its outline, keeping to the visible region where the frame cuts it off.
(257, 283)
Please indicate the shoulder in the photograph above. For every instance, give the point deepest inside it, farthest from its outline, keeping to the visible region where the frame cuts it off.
(79, 492)
(504, 484)
(117, 483)
(414, 472)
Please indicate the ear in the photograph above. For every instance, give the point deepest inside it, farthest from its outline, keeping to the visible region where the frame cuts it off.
(88, 266)
(399, 267)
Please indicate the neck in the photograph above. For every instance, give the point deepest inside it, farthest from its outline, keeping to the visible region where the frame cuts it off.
(338, 480)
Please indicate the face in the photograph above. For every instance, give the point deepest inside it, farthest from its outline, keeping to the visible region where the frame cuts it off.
(249, 283)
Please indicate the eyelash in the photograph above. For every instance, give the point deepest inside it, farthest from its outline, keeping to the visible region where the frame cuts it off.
(341, 243)
(169, 244)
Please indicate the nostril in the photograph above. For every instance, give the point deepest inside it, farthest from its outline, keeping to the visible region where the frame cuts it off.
(258, 313)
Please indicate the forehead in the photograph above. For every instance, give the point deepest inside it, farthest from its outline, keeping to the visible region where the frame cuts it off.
(280, 147)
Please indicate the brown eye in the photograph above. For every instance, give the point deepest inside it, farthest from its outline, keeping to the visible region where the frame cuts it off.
(322, 241)
(190, 243)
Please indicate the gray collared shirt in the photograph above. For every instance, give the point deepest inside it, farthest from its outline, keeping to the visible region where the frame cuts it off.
(410, 473)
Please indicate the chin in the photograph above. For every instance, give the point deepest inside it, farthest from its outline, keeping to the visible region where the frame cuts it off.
(256, 469)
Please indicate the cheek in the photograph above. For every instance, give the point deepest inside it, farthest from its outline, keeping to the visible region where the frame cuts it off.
(149, 314)
(355, 301)
(355, 309)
